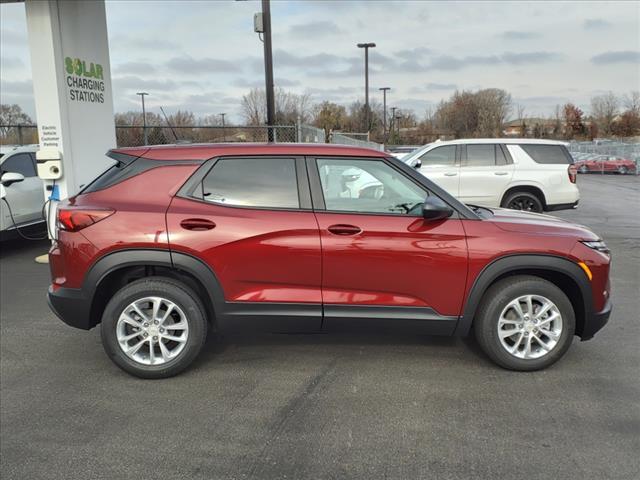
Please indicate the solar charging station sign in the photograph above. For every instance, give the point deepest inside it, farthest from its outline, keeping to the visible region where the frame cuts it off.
(85, 80)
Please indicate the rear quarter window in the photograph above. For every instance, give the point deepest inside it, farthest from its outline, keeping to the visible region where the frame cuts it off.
(548, 154)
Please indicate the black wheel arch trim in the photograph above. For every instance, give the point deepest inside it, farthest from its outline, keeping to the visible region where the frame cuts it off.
(522, 262)
(161, 257)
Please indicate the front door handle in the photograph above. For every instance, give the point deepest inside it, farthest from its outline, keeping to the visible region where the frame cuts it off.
(341, 229)
(450, 174)
(501, 173)
(197, 224)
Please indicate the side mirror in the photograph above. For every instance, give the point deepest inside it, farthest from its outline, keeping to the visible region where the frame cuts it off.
(9, 178)
(435, 209)
(418, 164)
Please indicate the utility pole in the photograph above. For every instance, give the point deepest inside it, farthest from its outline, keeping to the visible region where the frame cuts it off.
(224, 132)
(393, 119)
(384, 110)
(144, 118)
(268, 68)
(366, 47)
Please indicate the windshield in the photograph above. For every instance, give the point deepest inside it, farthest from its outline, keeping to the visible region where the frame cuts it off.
(410, 157)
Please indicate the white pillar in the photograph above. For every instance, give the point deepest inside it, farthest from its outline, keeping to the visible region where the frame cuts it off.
(72, 86)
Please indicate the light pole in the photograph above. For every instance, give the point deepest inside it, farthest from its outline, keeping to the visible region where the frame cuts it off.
(224, 132)
(384, 111)
(144, 117)
(366, 47)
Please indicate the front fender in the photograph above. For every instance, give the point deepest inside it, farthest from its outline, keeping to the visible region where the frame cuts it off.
(528, 263)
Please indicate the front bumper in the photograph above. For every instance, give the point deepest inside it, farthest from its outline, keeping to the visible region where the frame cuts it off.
(71, 306)
(595, 322)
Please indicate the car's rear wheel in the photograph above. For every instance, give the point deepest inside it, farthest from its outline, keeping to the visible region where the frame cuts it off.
(583, 169)
(154, 327)
(523, 201)
(525, 323)
(622, 170)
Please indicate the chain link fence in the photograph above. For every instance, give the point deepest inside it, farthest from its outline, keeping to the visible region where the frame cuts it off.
(606, 156)
(18, 134)
(345, 139)
(136, 135)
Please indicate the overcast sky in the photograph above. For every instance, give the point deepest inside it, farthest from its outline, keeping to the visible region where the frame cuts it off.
(203, 55)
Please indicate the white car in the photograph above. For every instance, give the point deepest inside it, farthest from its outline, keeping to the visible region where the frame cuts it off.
(522, 174)
(22, 189)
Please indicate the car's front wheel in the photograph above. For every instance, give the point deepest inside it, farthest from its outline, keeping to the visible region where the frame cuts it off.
(583, 169)
(154, 327)
(622, 170)
(525, 323)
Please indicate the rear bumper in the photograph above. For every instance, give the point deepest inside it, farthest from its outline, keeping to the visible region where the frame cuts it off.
(562, 206)
(595, 322)
(71, 306)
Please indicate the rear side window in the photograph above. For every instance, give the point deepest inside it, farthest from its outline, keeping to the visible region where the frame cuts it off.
(253, 182)
(480, 156)
(20, 163)
(548, 154)
(126, 167)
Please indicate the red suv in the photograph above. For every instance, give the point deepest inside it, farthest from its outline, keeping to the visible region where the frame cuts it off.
(174, 241)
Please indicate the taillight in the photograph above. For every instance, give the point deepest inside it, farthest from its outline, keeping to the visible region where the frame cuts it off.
(73, 220)
(573, 173)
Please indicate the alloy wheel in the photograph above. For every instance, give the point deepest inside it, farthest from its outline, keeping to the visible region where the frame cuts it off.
(530, 326)
(523, 203)
(152, 330)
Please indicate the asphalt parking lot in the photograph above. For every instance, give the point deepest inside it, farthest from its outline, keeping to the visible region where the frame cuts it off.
(320, 406)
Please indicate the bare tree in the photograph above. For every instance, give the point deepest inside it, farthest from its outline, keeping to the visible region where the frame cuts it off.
(604, 109)
(632, 102)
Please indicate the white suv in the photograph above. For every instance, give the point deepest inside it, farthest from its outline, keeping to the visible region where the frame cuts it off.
(21, 192)
(522, 174)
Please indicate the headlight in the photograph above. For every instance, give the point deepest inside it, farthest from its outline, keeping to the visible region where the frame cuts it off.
(598, 245)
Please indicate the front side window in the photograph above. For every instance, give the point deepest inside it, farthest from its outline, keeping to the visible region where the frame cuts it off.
(252, 182)
(368, 186)
(20, 163)
(440, 157)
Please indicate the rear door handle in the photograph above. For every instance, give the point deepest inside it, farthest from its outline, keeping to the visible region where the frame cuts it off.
(197, 224)
(450, 174)
(501, 173)
(341, 229)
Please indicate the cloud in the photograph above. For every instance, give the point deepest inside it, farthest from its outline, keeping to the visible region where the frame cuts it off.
(128, 43)
(259, 82)
(595, 24)
(285, 59)
(13, 37)
(530, 57)
(519, 35)
(134, 68)
(11, 62)
(447, 62)
(133, 82)
(413, 53)
(315, 29)
(20, 87)
(625, 56)
(186, 64)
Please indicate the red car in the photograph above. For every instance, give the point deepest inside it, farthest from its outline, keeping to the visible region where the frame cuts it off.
(605, 164)
(175, 241)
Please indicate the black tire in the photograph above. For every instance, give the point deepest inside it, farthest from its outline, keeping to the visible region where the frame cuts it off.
(177, 293)
(622, 170)
(523, 201)
(583, 169)
(496, 299)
